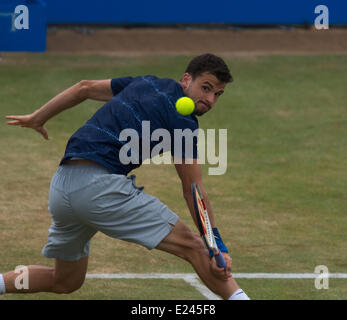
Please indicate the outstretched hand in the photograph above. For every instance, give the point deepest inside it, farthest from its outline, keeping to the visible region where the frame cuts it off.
(28, 121)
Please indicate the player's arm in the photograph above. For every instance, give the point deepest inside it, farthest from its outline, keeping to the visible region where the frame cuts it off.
(86, 89)
(189, 173)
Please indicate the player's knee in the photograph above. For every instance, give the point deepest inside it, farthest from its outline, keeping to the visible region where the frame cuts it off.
(67, 286)
(183, 243)
(196, 247)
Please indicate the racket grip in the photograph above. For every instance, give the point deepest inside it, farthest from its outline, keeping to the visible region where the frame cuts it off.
(220, 260)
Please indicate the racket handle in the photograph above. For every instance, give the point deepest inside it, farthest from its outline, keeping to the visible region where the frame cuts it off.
(220, 260)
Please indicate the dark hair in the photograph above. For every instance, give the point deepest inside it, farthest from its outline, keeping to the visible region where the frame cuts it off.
(208, 62)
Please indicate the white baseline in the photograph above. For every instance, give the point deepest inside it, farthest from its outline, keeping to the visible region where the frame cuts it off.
(193, 280)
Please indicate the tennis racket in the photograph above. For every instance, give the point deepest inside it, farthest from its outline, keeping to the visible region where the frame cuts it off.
(204, 225)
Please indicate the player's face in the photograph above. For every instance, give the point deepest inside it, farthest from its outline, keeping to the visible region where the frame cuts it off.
(204, 90)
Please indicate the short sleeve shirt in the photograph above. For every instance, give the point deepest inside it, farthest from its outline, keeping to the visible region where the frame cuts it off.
(139, 122)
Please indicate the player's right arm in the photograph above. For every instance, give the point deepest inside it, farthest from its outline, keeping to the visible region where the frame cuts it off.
(189, 173)
(86, 89)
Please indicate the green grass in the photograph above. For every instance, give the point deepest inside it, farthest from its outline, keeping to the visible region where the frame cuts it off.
(120, 289)
(140, 289)
(281, 206)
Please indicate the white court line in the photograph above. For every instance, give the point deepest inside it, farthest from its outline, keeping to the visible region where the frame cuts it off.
(289, 275)
(190, 278)
(193, 280)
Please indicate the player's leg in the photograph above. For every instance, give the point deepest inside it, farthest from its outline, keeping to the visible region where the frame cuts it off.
(65, 277)
(68, 240)
(69, 276)
(189, 246)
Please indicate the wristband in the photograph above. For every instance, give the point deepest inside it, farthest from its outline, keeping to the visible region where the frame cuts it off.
(220, 244)
(219, 241)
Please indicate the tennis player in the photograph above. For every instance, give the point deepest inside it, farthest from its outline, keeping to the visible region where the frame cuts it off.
(92, 191)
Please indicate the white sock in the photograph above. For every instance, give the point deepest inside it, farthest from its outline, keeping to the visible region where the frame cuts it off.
(2, 285)
(239, 295)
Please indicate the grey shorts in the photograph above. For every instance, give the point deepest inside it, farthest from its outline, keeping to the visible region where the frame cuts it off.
(85, 199)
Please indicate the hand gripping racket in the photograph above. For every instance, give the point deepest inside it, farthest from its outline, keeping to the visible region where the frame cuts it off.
(204, 225)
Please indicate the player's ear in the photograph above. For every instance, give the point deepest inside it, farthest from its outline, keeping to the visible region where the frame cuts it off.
(186, 80)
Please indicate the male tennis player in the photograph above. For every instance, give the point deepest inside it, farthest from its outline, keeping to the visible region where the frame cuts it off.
(91, 190)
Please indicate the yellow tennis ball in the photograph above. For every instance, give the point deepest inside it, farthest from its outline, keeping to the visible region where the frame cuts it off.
(185, 106)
